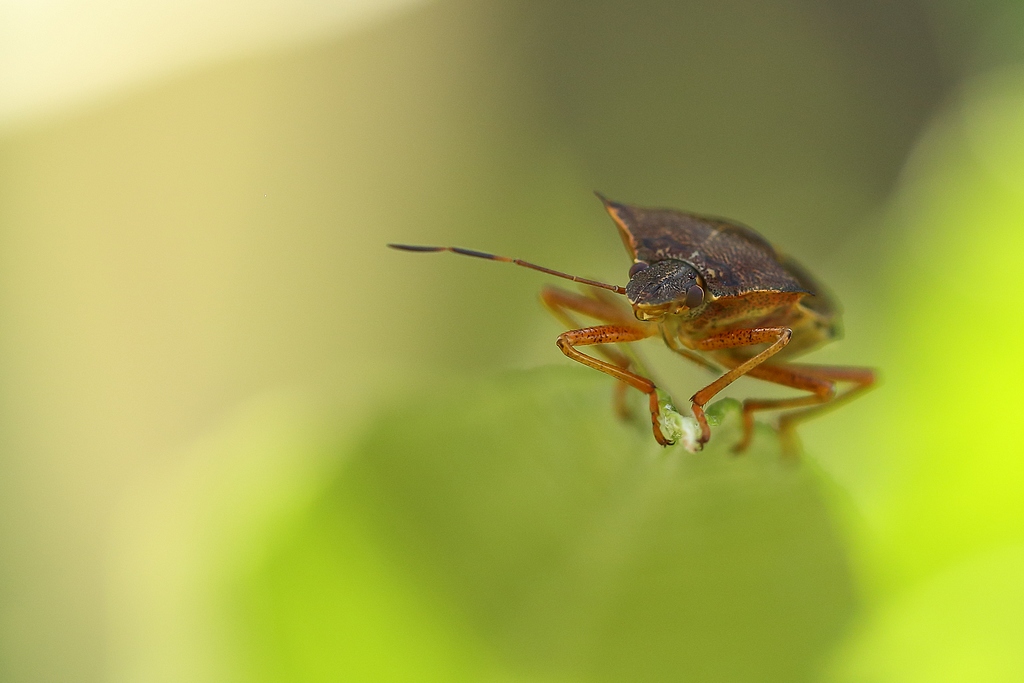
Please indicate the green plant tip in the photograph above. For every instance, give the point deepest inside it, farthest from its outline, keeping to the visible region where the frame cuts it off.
(718, 411)
(677, 428)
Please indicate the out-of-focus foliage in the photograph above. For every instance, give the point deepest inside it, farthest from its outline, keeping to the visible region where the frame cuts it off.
(572, 544)
(948, 529)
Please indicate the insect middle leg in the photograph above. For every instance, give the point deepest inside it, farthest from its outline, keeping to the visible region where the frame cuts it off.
(615, 334)
(563, 303)
(673, 344)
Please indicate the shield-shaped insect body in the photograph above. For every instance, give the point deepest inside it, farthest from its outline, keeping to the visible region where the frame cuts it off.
(719, 295)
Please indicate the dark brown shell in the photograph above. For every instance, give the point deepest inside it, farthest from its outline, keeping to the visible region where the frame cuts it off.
(733, 259)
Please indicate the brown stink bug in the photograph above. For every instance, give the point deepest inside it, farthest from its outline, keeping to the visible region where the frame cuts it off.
(719, 295)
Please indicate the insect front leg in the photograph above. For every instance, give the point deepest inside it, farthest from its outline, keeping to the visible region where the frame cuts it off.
(563, 303)
(778, 337)
(615, 334)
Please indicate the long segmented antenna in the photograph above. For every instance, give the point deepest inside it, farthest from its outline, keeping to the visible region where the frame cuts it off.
(506, 259)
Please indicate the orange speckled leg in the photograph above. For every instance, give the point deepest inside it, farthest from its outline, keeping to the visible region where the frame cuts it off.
(778, 337)
(822, 390)
(862, 379)
(614, 334)
(560, 301)
(600, 307)
(673, 343)
(818, 379)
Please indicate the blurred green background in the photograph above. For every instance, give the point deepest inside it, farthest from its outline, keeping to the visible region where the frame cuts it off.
(242, 441)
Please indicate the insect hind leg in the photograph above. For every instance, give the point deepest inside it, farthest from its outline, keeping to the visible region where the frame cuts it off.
(820, 380)
(862, 379)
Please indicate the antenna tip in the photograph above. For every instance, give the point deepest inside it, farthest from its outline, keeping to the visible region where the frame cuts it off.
(413, 247)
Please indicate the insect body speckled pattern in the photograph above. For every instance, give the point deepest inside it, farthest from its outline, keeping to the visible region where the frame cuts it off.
(718, 294)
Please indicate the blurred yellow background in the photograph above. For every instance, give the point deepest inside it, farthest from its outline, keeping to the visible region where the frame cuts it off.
(231, 419)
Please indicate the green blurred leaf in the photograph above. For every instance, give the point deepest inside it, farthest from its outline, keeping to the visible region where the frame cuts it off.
(954, 371)
(329, 606)
(962, 625)
(559, 541)
(947, 525)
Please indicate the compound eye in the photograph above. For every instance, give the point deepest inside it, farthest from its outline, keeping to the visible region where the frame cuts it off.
(637, 267)
(694, 296)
